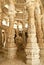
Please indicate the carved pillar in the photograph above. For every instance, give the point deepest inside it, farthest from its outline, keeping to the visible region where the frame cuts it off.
(38, 24)
(10, 43)
(32, 48)
(39, 29)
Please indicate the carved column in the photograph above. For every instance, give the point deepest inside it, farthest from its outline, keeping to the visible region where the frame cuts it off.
(10, 43)
(32, 48)
(39, 29)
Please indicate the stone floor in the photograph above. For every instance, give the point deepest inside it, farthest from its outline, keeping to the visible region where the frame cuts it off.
(10, 61)
(6, 58)
(7, 61)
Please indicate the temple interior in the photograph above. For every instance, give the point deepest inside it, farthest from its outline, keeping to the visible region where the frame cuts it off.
(21, 32)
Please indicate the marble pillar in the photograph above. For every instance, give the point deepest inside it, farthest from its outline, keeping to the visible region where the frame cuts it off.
(32, 48)
(10, 42)
(38, 25)
(39, 30)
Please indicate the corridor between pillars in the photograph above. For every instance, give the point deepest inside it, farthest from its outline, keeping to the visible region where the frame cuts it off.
(32, 48)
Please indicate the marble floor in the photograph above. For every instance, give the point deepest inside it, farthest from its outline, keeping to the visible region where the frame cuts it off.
(5, 61)
(10, 61)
